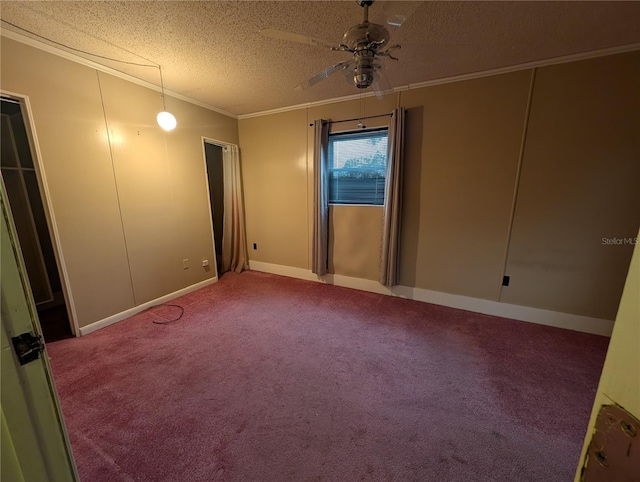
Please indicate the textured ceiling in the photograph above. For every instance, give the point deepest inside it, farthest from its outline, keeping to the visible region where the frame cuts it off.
(212, 51)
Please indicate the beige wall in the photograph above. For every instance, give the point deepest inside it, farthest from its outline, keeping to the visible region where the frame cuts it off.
(274, 173)
(464, 145)
(277, 171)
(457, 199)
(620, 380)
(132, 204)
(129, 200)
(580, 183)
(355, 232)
(355, 241)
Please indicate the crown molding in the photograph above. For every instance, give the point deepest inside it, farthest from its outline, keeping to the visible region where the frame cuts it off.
(307, 105)
(445, 80)
(103, 68)
(458, 78)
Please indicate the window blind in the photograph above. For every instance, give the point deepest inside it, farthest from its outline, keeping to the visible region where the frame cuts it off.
(357, 167)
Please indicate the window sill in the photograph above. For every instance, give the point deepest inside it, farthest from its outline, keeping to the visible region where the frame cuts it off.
(358, 205)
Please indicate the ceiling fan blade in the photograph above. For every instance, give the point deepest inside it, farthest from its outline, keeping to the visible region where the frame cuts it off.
(381, 84)
(394, 14)
(324, 74)
(294, 37)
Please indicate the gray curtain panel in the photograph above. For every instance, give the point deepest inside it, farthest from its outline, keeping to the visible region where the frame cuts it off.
(392, 201)
(320, 255)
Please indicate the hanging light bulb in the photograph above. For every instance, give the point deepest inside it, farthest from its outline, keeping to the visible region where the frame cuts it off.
(165, 119)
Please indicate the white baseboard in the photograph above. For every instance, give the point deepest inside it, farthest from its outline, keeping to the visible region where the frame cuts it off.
(283, 270)
(85, 330)
(567, 321)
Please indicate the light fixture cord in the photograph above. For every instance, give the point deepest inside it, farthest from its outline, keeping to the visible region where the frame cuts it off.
(111, 59)
(164, 105)
(80, 50)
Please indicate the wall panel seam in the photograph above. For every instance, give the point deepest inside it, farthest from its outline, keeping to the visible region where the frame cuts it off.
(307, 191)
(516, 186)
(115, 183)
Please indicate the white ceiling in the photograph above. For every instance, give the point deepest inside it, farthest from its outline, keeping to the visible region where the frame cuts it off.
(211, 51)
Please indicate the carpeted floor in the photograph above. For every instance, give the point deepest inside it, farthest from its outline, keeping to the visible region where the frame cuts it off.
(267, 378)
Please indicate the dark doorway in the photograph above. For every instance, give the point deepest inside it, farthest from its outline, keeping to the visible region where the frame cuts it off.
(25, 200)
(213, 156)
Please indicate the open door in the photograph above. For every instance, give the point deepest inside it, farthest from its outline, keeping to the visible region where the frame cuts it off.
(224, 182)
(34, 442)
(215, 181)
(23, 180)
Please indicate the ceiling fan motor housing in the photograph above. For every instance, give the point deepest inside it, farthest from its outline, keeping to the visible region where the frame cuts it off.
(364, 39)
(363, 74)
(365, 35)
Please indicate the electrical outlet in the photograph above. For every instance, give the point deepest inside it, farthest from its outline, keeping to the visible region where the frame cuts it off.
(205, 262)
(185, 264)
(255, 246)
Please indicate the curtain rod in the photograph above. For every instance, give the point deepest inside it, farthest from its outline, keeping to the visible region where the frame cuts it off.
(356, 118)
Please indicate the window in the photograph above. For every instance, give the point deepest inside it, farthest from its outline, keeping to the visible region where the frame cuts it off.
(357, 167)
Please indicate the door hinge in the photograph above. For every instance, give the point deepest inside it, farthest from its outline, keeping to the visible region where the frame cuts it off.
(27, 347)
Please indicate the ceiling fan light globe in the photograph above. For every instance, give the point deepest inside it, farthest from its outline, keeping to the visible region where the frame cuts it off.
(364, 72)
(362, 80)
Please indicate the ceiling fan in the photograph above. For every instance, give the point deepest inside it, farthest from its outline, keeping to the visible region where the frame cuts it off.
(368, 42)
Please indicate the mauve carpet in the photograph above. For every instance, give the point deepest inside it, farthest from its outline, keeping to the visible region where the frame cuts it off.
(267, 378)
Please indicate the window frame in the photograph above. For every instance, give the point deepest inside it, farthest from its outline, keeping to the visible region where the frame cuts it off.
(355, 134)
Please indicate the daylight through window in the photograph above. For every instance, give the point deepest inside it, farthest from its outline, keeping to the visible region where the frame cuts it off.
(357, 166)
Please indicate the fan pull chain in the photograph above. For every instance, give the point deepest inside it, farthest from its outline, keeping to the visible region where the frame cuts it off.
(360, 124)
